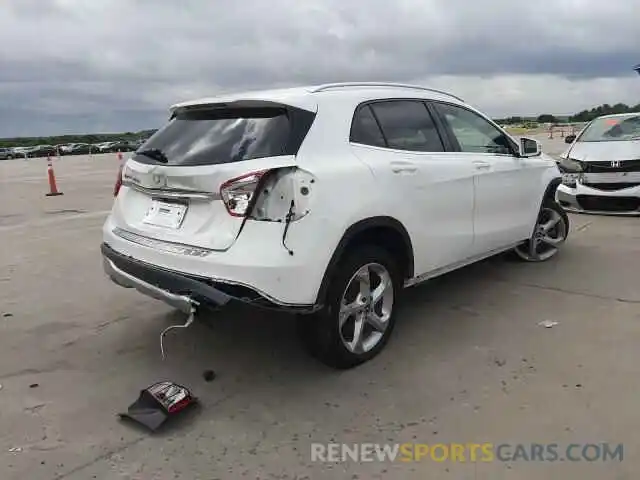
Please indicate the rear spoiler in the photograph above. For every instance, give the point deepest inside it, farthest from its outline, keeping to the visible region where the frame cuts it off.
(297, 102)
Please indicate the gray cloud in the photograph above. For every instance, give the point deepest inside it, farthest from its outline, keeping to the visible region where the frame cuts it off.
(76, 65)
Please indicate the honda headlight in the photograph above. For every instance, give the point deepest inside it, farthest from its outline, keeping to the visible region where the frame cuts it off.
(571, 171)
(569, 165)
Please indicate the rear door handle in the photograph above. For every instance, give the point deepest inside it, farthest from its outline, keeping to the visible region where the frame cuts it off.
(482, 165)
(403, 167)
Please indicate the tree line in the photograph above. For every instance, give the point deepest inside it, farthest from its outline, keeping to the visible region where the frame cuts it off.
(580, 117)
(80, 138)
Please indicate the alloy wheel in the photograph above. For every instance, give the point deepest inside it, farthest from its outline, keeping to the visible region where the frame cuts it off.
(550, 232)
(365, 308)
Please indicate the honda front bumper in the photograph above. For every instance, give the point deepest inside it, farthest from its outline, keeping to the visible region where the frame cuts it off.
(606, 200)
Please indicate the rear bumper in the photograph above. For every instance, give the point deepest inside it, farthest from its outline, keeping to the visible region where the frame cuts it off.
(584, 199)
(257, 267)
(182, 290)
(173, 288)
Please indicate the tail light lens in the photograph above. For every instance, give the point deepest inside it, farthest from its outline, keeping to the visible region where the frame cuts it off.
(116, 187)
(238, 193)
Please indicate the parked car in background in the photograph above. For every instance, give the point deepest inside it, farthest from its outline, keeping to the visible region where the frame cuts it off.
(135, 144)
(326, 201)
(27, 151)
(124, 146)
(20, 152)
(66, 149)
(103, 147)
(41, 151)
(62, 148)
(6, 153)
(79, 149)
(117, 146)
(601, 168)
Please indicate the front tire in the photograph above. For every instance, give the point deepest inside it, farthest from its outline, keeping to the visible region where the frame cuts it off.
(359, 315)
(550, 233)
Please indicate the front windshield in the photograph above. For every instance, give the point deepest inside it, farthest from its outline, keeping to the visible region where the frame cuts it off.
(612, 129)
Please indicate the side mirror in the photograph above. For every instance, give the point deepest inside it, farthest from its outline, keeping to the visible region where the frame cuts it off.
(529, 147)
(569, 138)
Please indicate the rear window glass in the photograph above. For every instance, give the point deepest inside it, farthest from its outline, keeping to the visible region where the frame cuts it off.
(223, 135)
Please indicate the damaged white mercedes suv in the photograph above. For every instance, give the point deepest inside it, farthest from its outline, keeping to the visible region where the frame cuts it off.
(326, 201)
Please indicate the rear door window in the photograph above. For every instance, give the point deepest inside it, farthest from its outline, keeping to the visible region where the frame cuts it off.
(209, 136)
(407, 125)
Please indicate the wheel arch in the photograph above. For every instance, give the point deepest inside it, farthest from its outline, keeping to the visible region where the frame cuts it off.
(380, 230)
(550, 190)
(548, 194)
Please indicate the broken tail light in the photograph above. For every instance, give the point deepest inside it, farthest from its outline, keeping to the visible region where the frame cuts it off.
(238, 193)
(159, 402)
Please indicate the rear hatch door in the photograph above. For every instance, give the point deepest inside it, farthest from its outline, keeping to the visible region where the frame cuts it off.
(172, 184)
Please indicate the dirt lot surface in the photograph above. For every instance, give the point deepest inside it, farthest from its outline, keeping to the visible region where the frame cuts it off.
(468, 363)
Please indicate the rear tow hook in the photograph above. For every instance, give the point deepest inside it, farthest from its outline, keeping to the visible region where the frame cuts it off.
(190, 319)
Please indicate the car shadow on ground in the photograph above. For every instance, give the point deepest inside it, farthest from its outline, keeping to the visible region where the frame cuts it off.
(246, 342)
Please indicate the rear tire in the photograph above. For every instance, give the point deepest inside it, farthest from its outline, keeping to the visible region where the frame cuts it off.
(359, 314)
(550, 233)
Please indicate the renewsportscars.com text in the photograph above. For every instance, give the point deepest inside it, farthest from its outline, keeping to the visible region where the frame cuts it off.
(467, 452)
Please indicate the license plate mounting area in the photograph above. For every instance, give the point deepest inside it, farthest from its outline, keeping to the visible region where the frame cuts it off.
(165, 214)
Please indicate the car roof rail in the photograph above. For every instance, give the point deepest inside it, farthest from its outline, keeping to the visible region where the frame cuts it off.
(332, 86)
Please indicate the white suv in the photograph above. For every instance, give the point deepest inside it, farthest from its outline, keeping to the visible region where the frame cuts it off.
(326, 201)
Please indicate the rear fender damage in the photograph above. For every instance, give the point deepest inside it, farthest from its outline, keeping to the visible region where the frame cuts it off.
(284, 196)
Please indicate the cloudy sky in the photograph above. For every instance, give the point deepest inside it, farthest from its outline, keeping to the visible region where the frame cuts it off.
(69, 66)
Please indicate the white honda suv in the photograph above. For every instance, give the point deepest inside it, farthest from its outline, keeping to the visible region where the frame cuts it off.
(326, 201)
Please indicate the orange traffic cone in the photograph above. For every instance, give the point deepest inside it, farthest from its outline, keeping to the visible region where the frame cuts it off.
(53, 188)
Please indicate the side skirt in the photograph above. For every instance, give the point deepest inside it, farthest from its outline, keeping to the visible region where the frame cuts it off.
(455, 266)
